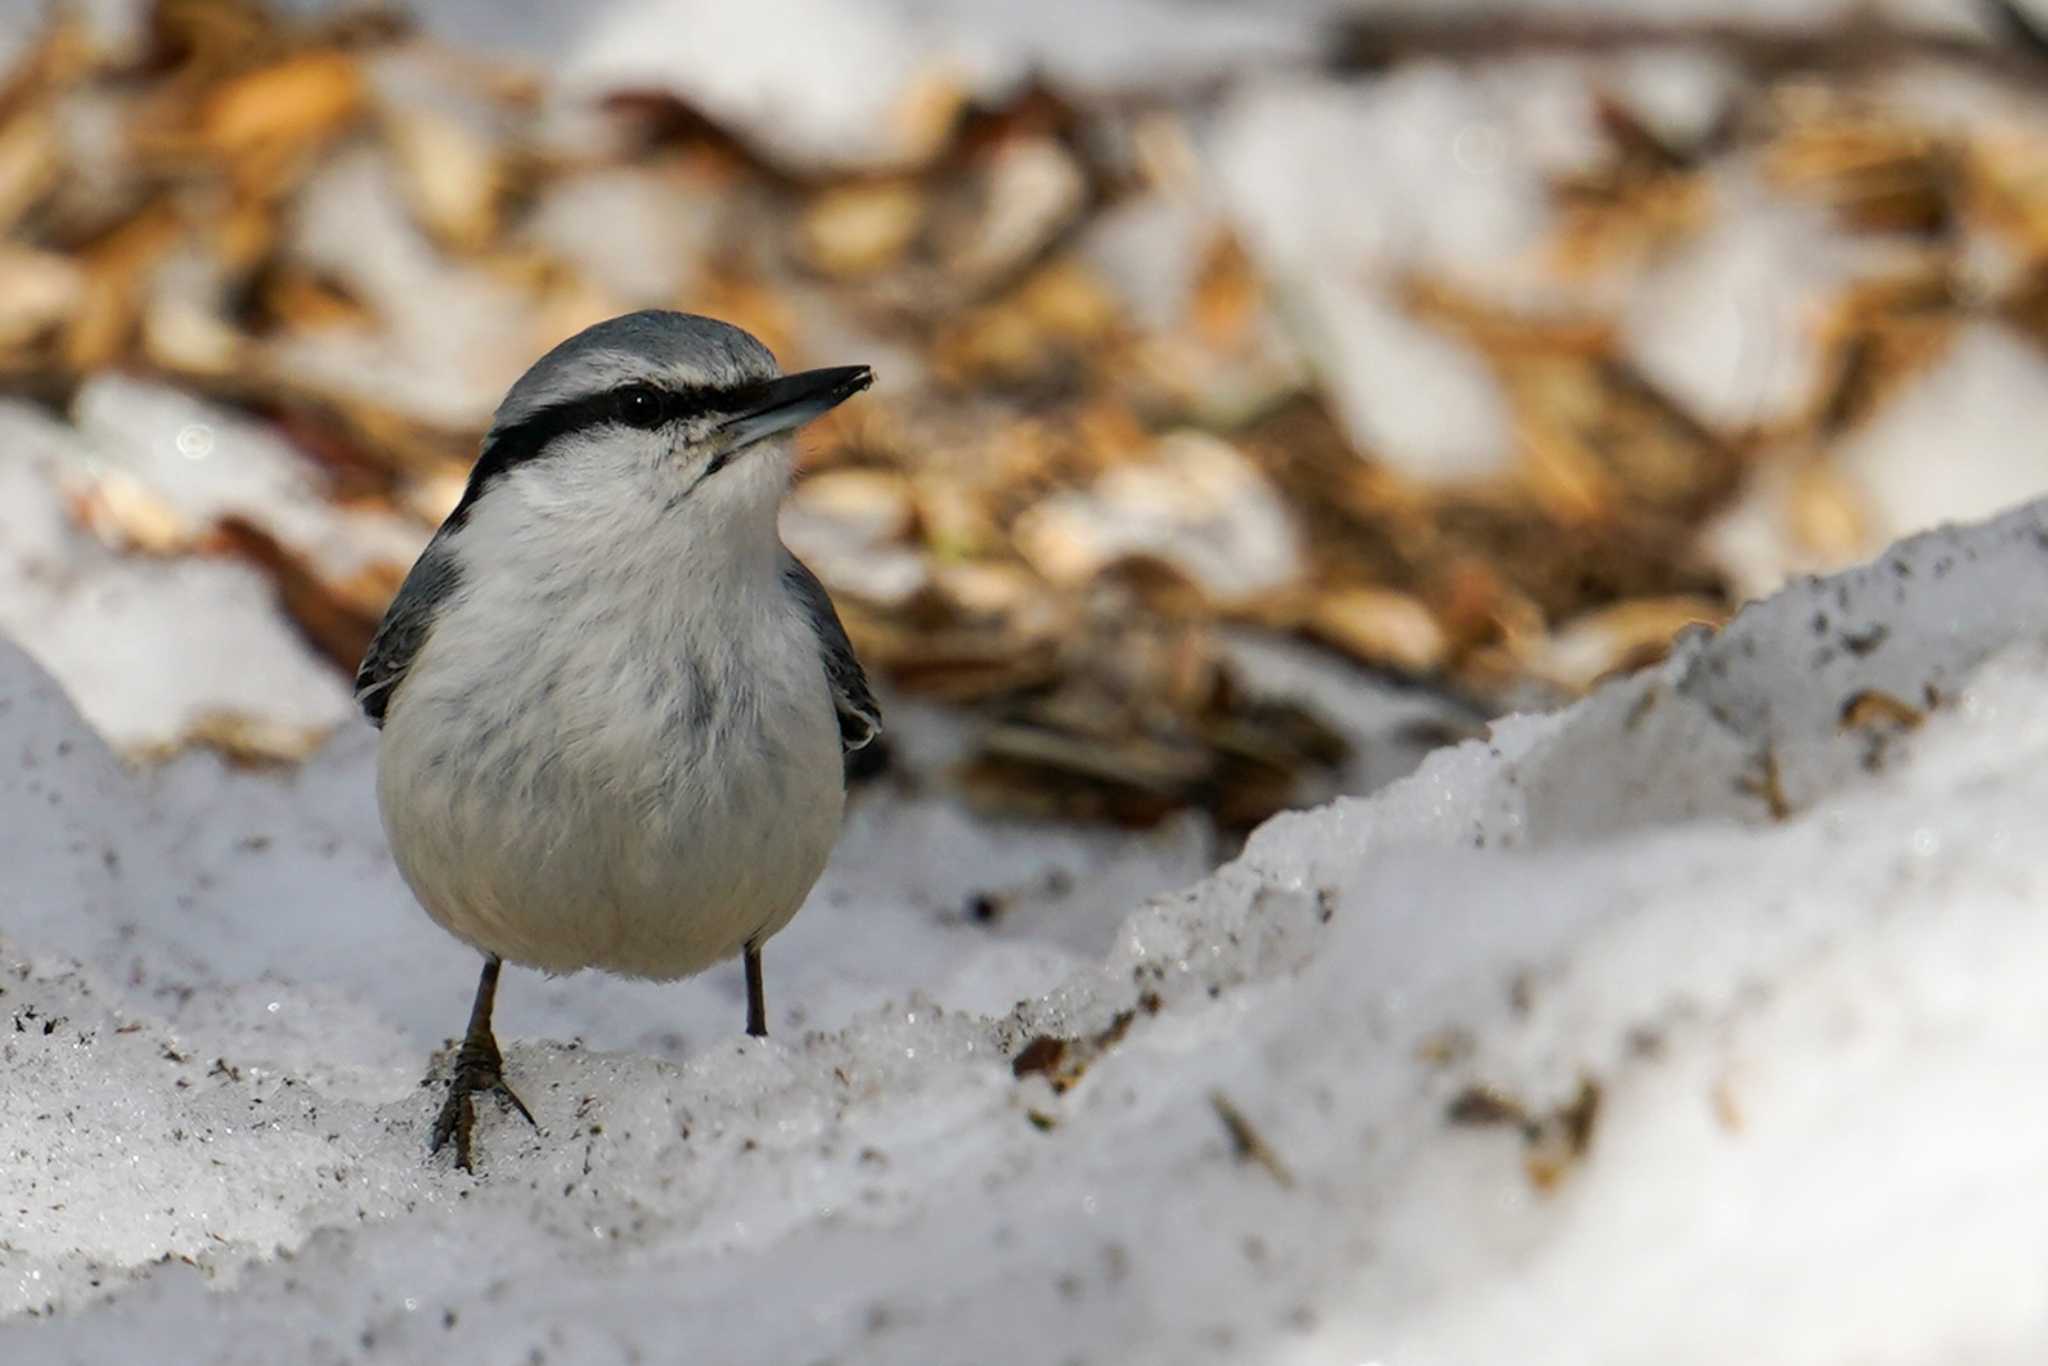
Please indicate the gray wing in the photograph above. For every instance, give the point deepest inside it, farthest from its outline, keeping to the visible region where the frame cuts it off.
(860, 720)
(407, 622)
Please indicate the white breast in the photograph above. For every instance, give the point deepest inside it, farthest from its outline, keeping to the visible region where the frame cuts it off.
(622, 767)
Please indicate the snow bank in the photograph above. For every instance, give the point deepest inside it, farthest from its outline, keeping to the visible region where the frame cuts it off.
(1694, 1023)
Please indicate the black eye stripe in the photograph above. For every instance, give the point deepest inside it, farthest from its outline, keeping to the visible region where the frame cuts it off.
(639, 405)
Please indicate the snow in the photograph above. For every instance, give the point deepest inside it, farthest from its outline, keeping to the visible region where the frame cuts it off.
(152, 648)
(865, 84)
(1150, 246)
(1729, 324)
(202, 464)
(638, 236)
(1419, 402)
(1680, 94)
(1446, 178)
(1983, 404)
(1436, 181)
(456, 337)
(1795, 963)
(1196, 505)
(819, 82)
(1975, 405)
(1942, 15)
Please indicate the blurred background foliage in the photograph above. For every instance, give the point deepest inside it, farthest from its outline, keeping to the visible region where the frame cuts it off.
(1267, 393)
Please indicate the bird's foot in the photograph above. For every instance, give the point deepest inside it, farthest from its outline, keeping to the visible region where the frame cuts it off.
(479, 1069)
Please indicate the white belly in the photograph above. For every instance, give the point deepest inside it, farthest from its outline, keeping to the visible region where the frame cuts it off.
(565, 810)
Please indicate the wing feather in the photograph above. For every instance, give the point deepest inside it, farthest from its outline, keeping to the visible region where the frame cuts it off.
(407, 623)
(860, 719)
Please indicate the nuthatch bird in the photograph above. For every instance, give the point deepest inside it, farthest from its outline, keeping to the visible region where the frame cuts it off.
(615, 709)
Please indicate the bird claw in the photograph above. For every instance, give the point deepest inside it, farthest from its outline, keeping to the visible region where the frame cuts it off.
(478, 1069)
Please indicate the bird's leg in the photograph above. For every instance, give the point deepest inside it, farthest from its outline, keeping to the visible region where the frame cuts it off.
(757, 998)
(478, 1067)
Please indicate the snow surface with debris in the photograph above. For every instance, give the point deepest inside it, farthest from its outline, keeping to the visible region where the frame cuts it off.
(1753, 993)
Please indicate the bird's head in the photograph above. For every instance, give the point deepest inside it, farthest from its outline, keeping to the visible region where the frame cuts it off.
(650, 417)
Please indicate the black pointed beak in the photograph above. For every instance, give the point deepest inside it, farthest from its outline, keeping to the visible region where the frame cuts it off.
(782, 405)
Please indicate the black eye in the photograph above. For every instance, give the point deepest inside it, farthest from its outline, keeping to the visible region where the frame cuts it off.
(641, 405)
